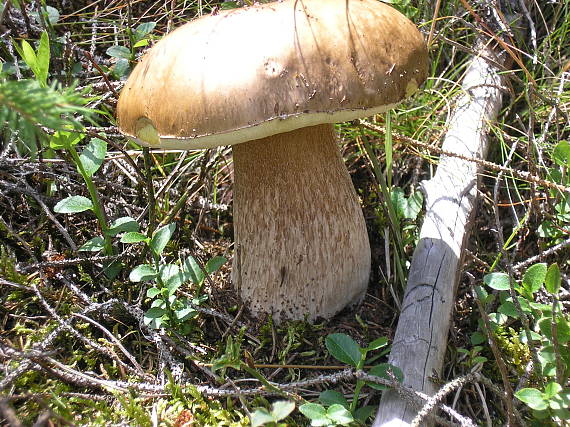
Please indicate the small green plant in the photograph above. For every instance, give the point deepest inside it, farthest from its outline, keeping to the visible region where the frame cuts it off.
(167, 309)
(37, 61)
(334, 415)
(88, 163)
(333, 408)
(554, 227)
(549, 333)
(279, 411)
(126, 56)
(28, 104)
(232, 358)
(473, 356)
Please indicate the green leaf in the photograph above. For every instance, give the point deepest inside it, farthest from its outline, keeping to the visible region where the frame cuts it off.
(478, 338)
(479, 359)
(525, 305)
(560, 401)
(498, 281)
(377, 343)
(332, 397)
(152, 292)
(161, 237)
(551, 390)
(133, 237)
(43, 57)
(185, 313)
(159, 303)
(508, 308)
(562, 328)
(498, 318)
(144, 29)
(344, 348)
(534, 277)
(199, 300)
(281, 409)
(214, 264)
(121, 68)
(561, 154)
(141, 43)
(532, 397)
(193, 269)
(155, 312)
(383, 370)
(112, 268)
(73, 204)
(94, 245)
(119, 52)
(552, 281)
(29, 56)
(153, 317)
(261, 417)
(314, 412)
(143, 272)
(153, 323)
(172, 277)
(65, 139)
(362, 414)
(339, 414)
(482, 294)
(93, 155)
(52, 15)
(167, 271)
(407, 208)
(227, 5)
(124, 224)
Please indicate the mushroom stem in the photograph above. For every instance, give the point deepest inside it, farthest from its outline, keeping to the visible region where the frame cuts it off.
(301, 242)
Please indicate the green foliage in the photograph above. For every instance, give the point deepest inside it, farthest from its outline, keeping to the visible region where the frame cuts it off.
(553, 227)
(406, 207)
(554, 401)
(231, 358)
(279, 411)
(167, 309)
(346, 350)
(73, 204)
(87, 163)
(126, 56)
(38, 61)
(8, 266)
(549, 334)
(26, 107)
(334, 415)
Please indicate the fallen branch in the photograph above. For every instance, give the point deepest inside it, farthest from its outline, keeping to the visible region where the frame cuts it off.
(421, 336)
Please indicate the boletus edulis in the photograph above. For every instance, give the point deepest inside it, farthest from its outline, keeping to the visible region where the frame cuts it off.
(270, 80)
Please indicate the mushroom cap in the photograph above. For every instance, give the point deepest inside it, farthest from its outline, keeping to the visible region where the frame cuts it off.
(250, 73)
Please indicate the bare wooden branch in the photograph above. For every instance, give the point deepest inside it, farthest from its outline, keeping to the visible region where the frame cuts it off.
(421, 336)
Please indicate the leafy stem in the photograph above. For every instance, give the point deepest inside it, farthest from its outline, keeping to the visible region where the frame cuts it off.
(97, 209)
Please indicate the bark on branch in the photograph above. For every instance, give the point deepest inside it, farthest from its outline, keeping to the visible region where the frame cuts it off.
(421, 336)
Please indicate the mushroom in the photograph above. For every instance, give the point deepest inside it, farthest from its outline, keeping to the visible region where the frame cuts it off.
(270, 80)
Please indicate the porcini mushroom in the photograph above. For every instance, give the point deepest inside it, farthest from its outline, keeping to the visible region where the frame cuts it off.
(270, 80)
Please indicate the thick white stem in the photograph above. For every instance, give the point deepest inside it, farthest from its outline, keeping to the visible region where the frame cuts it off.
(300, 237)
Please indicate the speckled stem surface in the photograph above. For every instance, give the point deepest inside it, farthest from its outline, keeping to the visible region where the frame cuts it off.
(301, 242)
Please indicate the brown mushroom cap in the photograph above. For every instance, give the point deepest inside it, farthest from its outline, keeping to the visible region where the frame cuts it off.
(250, 73)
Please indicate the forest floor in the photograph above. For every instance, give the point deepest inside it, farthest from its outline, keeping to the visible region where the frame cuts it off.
(80, 343)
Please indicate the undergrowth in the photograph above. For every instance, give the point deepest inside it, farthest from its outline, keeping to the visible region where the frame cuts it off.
(117, 306)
